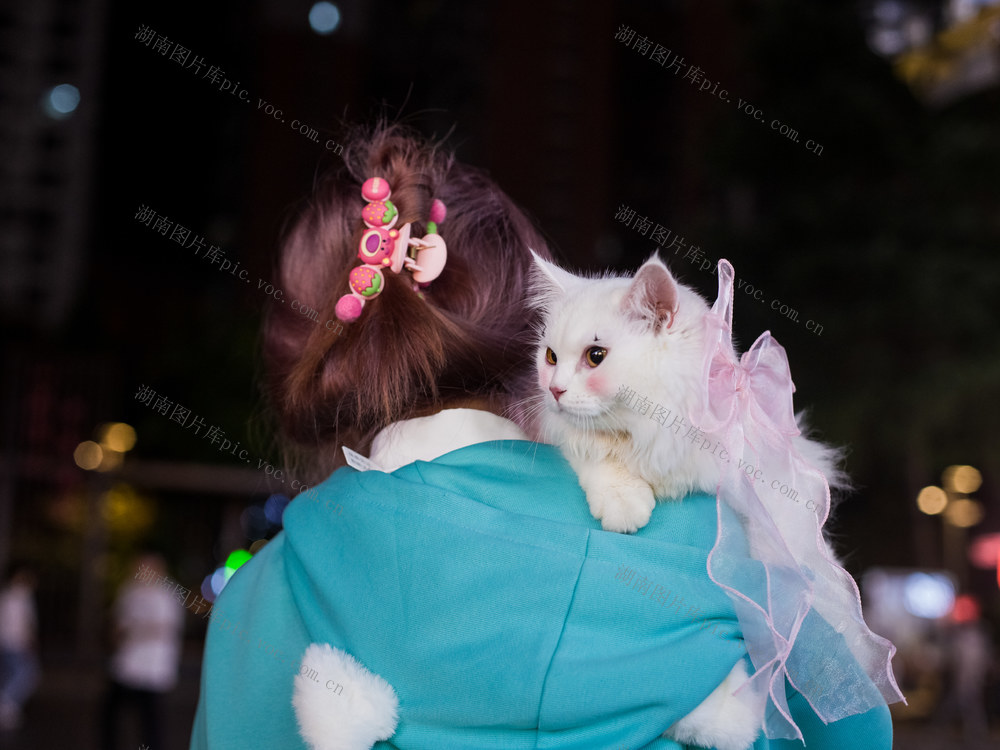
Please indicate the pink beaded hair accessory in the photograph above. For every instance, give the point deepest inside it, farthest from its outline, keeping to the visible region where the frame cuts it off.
(382, 247)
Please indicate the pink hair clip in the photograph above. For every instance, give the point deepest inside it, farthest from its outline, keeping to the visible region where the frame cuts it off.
(384, 246)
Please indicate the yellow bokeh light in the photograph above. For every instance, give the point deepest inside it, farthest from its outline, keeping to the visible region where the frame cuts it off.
(125, 510)
(962, 480)
(118, 436)
(932, 500)
(966, 479)
(88, 455)
(964, 513)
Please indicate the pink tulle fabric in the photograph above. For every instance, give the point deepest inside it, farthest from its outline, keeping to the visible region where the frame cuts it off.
(747, 406)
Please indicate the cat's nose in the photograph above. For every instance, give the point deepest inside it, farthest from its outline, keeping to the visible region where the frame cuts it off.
(557, 392)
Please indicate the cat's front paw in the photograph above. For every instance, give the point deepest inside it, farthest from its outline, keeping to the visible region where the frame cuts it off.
(626, 509)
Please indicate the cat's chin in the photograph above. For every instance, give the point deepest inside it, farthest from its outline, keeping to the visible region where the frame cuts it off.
(575, 416)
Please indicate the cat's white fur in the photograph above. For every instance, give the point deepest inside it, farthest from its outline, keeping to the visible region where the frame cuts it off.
(652, 329)
(723, 721)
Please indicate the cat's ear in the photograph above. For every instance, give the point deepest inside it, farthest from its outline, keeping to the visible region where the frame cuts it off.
(652, 296)
(548, 282)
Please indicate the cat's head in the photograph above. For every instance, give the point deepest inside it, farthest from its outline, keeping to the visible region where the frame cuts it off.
(604, 336)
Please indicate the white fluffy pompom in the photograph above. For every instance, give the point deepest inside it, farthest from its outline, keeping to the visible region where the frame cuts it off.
(339, 704)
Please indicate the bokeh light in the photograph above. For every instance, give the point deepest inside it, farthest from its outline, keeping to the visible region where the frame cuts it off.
(962, 479)
(963, 513)
(274, 508)
(932, 500)
(218, 581)
(966, 609)
(207, 592)
(88, 455)
(61, 101)
(126, 511)
(984, 552)
(324, 18)
(237, 558)
(118, 436)
(928, 595)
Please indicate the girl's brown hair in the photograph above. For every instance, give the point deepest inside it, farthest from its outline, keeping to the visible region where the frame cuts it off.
(333, 383)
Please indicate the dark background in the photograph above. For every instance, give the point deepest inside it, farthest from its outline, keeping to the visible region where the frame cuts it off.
(882, 235)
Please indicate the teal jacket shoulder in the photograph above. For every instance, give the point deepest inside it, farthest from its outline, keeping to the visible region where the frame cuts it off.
(479, 586)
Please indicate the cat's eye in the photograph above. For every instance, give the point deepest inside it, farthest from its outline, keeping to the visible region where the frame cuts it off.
(550, 356)
(596, 355)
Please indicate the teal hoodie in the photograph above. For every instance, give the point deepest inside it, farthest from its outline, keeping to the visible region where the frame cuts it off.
(480, 587)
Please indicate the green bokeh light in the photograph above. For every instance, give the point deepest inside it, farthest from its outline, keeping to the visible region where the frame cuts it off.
(236, 558)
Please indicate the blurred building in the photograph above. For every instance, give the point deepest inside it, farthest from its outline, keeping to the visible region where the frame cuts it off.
(53, 51)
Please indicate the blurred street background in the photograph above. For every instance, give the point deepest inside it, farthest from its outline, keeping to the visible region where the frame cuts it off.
(844, 157)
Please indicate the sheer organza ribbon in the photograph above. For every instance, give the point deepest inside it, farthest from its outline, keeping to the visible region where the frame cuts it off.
(792, 577)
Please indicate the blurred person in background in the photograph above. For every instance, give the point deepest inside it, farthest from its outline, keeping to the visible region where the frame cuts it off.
(19, 671)
(147, 627)
(969, 655)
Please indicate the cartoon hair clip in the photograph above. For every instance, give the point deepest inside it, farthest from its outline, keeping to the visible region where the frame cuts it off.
(380, 211)
(384, 247)
(431, 249)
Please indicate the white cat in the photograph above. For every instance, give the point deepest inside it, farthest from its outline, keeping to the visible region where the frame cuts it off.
(604, 336)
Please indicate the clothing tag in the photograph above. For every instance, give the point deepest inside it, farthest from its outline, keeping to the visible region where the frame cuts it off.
(357, 461)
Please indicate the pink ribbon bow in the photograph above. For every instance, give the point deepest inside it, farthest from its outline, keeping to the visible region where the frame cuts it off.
(747, 406)
(760, 383)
